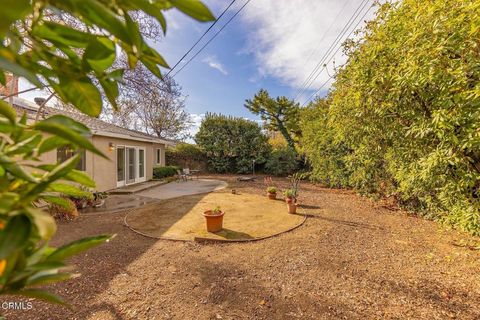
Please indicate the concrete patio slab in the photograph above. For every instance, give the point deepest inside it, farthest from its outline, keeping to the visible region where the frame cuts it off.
(135, 188)
(183, 188)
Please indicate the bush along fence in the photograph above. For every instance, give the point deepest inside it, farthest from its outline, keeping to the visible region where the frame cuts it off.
(186, 155)
(165, 172)
(403, 117)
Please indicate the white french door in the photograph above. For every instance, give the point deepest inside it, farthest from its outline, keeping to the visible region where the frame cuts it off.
(130, 165)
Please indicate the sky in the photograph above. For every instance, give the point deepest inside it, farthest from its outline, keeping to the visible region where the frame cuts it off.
(271, 44)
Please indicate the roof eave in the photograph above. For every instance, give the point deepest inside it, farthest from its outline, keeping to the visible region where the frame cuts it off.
(128, 137)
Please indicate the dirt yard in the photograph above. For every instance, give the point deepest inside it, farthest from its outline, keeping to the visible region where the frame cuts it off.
(352, 259)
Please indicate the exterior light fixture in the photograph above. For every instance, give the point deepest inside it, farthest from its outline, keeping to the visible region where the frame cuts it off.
(111, 146)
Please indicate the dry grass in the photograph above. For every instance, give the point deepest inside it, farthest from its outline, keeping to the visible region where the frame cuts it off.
(247, 217)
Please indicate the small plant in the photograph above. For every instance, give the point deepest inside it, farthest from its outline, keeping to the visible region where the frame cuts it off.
(290, 193)
(217, 210)
(272, 190)
(67, 211)
(214, 219)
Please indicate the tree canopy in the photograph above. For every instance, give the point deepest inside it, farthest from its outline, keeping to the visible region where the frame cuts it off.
(280, 114)
(232, 144)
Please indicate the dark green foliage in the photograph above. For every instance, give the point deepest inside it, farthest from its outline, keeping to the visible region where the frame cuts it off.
(163, 172)
(280, 114)
(185, 155)
(403, 117)
(232, 144)
(281, 162)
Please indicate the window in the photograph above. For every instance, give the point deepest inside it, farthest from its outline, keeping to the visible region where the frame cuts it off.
(141, 163)
(158, 156)
(65, 153)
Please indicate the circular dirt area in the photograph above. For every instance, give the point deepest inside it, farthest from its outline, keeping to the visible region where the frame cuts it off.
(247, 217)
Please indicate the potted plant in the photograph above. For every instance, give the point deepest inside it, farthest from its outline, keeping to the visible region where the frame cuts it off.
(291, 200)
(214, 219)
(272, 193)
(99, 199)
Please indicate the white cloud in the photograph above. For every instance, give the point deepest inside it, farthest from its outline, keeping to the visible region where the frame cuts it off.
(213, 62)
(288, 38)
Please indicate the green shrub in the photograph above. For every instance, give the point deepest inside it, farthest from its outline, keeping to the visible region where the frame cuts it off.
(281, 162)
(402, 117)
(163, 172)
(232, 144)
(272, 190)
(185, 155)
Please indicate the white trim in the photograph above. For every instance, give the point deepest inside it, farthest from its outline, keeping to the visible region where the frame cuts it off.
(122, 182)
(158, 159)
(144, 178)
(136, 164)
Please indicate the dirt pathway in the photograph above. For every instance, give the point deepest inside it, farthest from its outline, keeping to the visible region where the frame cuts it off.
(353, 259)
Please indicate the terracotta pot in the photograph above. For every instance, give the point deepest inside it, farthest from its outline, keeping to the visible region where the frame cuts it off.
(272, 195)
(214, 221)
(291, 205)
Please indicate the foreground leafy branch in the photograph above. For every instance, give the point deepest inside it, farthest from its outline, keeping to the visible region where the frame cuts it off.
(76, 60)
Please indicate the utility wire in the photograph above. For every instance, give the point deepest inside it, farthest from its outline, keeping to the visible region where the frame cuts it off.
(325, 83)
(316, 71)
(307, 83)
(325, 61)
(314, 51)
(200, 39)
(213, 37)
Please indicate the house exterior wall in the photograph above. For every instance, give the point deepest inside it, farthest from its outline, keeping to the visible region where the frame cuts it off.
(104, 171)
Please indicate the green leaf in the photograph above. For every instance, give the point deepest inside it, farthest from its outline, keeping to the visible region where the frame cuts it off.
(60, 201)
(152, 10)
(77, 247)
(82, 94)
(69, 130)
(51, 143)
(47, 279)
(12, 10)
(8, 111)
(44, 223)
(15, 169)
(110, 88)
(15, 235)
(74, 175)
(69, 190)
(100, 54)
(61, 169)
(194, 9)
(80, 177)
(40, 294)
(62, 34)
(18, 70)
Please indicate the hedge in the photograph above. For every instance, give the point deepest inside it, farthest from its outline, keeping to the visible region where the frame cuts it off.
(163, 172)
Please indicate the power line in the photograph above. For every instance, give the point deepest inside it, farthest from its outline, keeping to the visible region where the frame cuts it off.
(326, 32)
(308, 81)
(311, 78)
(200, 39)
(213, 37)
(323, 85)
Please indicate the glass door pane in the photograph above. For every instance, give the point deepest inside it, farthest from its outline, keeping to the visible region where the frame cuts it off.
(141, 163)
(120, 164)
(130, 165)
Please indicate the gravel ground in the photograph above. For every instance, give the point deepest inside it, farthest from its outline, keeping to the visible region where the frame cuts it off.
(352, 259)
